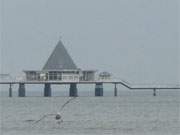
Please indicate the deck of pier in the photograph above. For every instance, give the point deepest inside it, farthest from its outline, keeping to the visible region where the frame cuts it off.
(125, 84)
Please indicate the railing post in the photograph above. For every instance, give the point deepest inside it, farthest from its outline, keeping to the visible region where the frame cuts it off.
(115, 90)
(47, 90)
(154, 92)
(73, 92)
(99, 89)
(21, 90)
(10, 90)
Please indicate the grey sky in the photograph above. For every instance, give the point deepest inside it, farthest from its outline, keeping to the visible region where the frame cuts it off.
(136, 40)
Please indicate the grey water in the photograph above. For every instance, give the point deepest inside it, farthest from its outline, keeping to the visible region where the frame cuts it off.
(131, 113)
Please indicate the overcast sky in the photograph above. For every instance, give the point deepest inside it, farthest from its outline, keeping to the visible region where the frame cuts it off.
(136, 40)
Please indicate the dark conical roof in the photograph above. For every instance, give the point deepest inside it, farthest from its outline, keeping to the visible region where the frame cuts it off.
(59, 59)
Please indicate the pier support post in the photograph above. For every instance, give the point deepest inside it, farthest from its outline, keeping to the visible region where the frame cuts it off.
(99, 89)
(115, 90)
(154, 92)
(47, 90)
(22, 91)
(10, 90)
(73, 92)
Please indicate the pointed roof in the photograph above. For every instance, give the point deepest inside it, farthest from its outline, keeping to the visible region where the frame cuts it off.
(59, 59)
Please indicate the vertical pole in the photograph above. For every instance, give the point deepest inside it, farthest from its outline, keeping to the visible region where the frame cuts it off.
(47, 90)
(10, 90)
(73, 92)
(22, 91)
(154, 92)
(115, 90)
(99, 89)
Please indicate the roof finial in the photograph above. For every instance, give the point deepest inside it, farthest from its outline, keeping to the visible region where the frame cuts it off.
(60, 37)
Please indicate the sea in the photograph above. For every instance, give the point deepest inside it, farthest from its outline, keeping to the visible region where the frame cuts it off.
(130, 113)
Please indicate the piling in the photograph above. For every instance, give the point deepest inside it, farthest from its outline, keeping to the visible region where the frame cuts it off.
(115, 90)
(21, 90)
(154, 92)
(99, 89)
(47, 90)
(10, 90)
(73, 92)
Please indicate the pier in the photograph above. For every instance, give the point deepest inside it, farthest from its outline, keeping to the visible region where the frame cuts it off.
(73, 91)
(61, 69)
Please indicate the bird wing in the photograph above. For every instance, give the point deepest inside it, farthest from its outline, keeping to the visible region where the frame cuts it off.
(71, 99)
(43, 117)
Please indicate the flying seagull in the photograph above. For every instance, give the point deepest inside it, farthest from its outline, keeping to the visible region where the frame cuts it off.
(57, 115)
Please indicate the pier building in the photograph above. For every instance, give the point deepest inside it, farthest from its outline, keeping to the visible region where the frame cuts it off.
(59, 67)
